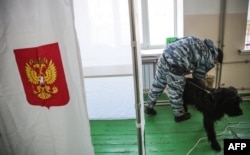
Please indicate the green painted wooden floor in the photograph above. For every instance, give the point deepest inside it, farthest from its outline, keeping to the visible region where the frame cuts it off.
(165, 137)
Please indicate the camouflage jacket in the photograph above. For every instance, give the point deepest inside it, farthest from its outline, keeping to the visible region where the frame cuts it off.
(190, 54)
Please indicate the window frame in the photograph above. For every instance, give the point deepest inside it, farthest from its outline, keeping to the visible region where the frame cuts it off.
(247, 35)
(178, 24)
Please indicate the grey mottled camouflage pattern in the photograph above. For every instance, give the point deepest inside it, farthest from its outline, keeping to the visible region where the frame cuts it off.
(180, 58)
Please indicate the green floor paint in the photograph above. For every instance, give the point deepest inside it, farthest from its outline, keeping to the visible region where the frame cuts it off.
(114, 137)
(165, 137)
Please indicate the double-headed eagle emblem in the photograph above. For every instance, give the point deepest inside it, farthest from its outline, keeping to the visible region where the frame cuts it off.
(42, 74)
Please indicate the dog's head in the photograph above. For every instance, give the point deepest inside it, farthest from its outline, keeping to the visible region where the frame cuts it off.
(228, 100)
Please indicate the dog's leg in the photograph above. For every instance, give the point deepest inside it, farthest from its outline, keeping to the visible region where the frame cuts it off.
(209, 127)
(185, 106)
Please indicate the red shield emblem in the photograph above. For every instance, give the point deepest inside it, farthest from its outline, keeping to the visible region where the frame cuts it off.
(42, 75)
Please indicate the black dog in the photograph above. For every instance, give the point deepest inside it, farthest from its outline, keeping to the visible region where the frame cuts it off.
(213, 104)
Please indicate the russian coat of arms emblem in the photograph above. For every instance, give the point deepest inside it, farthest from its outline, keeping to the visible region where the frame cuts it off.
(42, 75)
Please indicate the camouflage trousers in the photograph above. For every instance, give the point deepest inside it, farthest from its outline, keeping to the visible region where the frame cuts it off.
(175, 85)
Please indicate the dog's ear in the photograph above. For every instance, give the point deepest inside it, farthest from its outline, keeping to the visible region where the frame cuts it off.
(233, 89)
(239, 98)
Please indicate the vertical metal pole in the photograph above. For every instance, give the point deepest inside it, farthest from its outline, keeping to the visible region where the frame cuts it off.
(136, 74)
(221, 39)
(175, 18)
(145, 24)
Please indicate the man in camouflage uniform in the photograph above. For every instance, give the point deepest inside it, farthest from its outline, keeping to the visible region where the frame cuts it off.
(181, 57)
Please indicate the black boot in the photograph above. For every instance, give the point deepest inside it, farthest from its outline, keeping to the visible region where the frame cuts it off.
(184, 117)
(150, 111)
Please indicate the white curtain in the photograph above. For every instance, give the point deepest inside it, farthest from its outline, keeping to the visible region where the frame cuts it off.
(32, 128)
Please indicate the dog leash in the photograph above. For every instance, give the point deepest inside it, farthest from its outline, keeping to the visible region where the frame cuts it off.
(199, 87)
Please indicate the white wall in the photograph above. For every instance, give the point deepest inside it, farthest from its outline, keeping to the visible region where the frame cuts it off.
(199, 7)
(201, 19)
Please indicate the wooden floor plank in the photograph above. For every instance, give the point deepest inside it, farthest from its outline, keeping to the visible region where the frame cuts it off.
(165, 137)
(179, 138)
